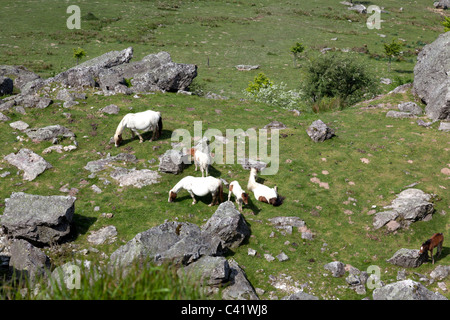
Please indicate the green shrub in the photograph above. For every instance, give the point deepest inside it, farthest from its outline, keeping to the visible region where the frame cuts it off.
(260, 81)
(332, 76)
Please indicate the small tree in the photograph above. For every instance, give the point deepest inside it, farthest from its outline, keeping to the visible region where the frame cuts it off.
(392, 50)
(260, 81)
(78, 54)
(446, 24)
(296, 50)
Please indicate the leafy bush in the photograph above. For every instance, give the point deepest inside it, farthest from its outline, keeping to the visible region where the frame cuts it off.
(260, 81)
(277, 95)
(335, 76)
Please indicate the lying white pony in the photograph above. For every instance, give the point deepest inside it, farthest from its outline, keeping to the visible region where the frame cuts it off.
(261, 192)
(145, 121)
(199, 186)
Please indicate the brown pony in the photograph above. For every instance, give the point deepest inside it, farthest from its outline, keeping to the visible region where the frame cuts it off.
(435, 241)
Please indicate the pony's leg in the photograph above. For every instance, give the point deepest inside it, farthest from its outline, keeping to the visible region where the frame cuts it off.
(229, 196)
(193, 197)
(432, 258)
(206, 170)
(240, 206)
(214, 199)
(439, 249)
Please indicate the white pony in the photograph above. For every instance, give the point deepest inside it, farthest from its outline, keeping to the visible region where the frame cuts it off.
(199, 186)
(145, 121)
(261, 192)
(240, 195)
(201, 159)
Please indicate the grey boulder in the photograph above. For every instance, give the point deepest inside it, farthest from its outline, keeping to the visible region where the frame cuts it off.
(42, 220)
(408, 258)
(31, 163)
(28, 260)
(318, 131)
(431, 77)
(405, 290)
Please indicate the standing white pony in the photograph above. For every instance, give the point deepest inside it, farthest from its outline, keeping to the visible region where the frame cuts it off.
(199, 186)
(145, 121)
(240, 195)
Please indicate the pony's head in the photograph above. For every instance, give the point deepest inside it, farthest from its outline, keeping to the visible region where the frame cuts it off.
(117, 139)
(172, 196)
(245, 197)
(425, 246)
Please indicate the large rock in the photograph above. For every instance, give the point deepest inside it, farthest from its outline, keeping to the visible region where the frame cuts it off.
(178, 243)
(102, 164)
(408, 258)
(442, 4)
(28, 260)
(405, 290)
(227, 225)
(156, 72)
(31, 163)
(211, 271)
(135, 178)
(337, 268)
(49, 133)
(171, 162)
(410, 205)
(318, 131)
(42, 220)
(432, 77)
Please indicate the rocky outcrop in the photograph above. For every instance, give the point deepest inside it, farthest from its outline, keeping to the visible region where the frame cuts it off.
(135, 178)
(432, 77)
(405, 290)
(42, 220)
(318, 131)
(49, 133)
(31, 163)
(408, 258)
(410, 205)
(171, 162)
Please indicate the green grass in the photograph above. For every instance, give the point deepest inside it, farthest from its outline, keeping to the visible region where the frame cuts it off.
(231, 33)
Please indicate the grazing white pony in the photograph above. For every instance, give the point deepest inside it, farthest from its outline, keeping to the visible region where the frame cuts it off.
(199, 186)
(261, 192)
(239, 194)
(145, 121)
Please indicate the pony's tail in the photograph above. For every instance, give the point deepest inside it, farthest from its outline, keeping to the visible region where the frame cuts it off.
(160, 126)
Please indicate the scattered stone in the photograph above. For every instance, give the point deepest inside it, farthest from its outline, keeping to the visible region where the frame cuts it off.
(59, 149)
(440, 273)
(300, 295)
(358, 8)
(251, 252)
(135, 178)
(19, 125)
(442, 4)
(275, 125)
(282, 257)
(110, 109)
(268, 257)
(410, 107)
(337, 268)
(444, 126)
(399, 114)
(407, 258)
(42, 220)
(4, 117)
(28, 161)
(405, 290)
(96, 189)
(243, 67)
(247, 164)
(102, 164)
(49, 133)
(104, 235)
(319, 131)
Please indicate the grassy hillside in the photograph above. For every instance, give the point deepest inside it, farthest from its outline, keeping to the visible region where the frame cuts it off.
(229, 33)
